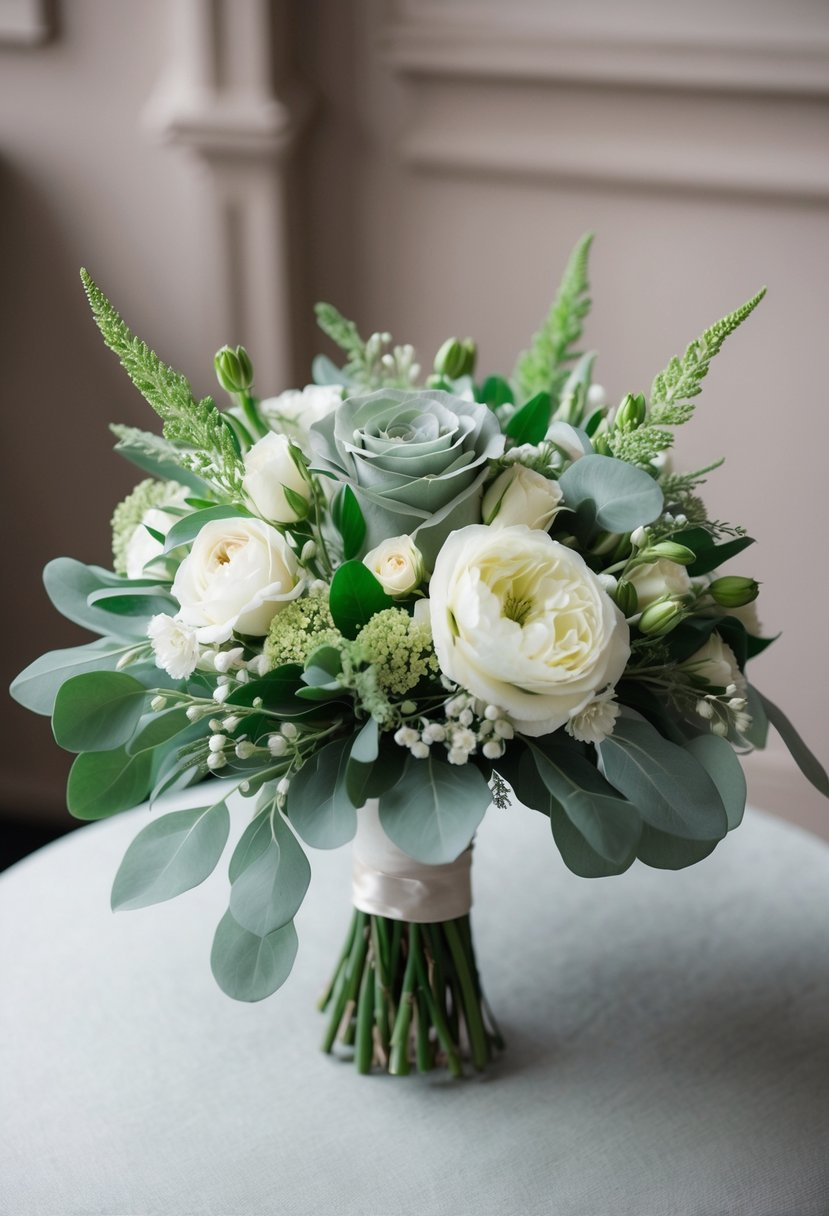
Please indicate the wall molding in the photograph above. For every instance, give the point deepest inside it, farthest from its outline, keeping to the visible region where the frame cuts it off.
(464, 40)
(228, 99)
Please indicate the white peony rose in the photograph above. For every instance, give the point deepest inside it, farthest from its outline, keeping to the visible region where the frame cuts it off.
(653, 580)
(521, 496)
(175, 646)
(269, 468)
(523, 623)
(397, 565)
(296, 410)
(716, 664)
(237, 576)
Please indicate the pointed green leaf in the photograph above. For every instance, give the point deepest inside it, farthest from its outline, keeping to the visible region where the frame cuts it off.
(37, 685)
(247, 967)
(268, 891)
(171, 855)
(349, 521)
(188, 528)
(529, 424)
(806, 761)
(355, 597)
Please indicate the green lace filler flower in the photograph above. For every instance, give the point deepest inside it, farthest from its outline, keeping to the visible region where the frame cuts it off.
(299, 629)
(128, 515)
(398, 649)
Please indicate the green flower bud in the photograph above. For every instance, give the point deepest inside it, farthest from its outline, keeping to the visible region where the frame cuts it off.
(681, 554)
(455, 358)
(234, 369)
(732, 591)
(660, 618)
(631, 413)
(626, 597)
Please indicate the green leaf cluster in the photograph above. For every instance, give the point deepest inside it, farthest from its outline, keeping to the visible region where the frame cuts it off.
(543, 368)
(204, 442)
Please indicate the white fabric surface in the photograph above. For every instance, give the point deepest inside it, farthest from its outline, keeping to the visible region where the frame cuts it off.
(668, 1046)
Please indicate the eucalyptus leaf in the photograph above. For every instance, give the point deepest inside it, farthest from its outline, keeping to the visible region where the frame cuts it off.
(318, 803)
(97, 711)
(668, 786)
(134, 601)
(355, 597)
(364, 752)
(619, 496)
(663, 851)
(720, 761)
(171, 855)
(324, 371)
(188, 528)
(757, 733)
(37, 685)
(69, 584)
(247, 967)
(433, 811)
(806, 761)
(270, 886)
(159, 727)
(106, 783)
(609, 824)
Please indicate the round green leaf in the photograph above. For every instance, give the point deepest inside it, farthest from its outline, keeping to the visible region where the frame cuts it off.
(620, 496)
(171, 855)
(247, 967)
(665, 852)
(268, 891)
(105, 783)
(721, 763)
(433, 811)
(97, 711)
(318, 803)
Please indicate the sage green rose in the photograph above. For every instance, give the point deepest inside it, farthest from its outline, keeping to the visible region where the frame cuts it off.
(416, 460)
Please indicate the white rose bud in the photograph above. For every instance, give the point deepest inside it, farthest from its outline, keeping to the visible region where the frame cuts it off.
(397, 565)
(716, 664)
(653, 580)
(269, 468)
(521, 496)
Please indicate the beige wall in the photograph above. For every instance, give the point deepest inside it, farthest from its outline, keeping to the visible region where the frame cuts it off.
(456, 152)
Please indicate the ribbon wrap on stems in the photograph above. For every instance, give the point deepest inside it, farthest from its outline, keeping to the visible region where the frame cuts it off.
(387, 882)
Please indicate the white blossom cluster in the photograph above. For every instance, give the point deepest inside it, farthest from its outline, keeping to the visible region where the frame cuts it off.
(722, 710)
(469, 725)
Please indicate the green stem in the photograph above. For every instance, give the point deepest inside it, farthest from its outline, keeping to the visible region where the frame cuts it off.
(350, 989)
(365, 1017)
(251, 413)
(471, 1000)
(453, 1061)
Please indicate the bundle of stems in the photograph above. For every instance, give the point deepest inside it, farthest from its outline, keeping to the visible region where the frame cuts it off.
(409, 994)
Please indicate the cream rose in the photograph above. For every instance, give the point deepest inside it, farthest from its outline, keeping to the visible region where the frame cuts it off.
(716, 664)
(653, 580)
(521, 496)
(523, 623)
(237, 576)
(397, 565)
(296, 410)
(269, 468)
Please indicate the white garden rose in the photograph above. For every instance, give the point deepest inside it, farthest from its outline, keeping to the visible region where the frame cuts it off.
(269, 468)
(237, 576)
(142, 547)
(521, 496)
(654, 580)
(521, 621)
(294, 411)
(397, 565)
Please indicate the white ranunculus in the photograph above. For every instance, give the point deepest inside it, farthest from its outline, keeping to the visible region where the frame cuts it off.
(175, 646)
(142, 548)
(521, 496)
(297, 409)
(653, 580)
(269, 468)
(237, 576)
(716, 664)
(397, 565)
(523, 623)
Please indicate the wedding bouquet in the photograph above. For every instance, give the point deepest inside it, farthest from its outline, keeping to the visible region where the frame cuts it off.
(384, 601)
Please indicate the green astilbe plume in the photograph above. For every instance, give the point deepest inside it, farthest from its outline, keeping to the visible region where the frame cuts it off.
(204, 442)
(543, 368)
(342, 332)
(672, 391)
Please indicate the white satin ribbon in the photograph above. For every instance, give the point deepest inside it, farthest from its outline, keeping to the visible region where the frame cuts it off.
(387, 882)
